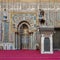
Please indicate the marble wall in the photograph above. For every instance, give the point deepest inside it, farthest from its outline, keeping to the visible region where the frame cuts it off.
(51, 15)
(0, 28)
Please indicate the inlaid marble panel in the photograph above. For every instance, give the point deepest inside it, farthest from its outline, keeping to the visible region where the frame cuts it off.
(6, 31)
(31, 18)
(0, 32)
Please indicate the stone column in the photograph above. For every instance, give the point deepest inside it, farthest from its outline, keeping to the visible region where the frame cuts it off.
(34, 41)
(30, 41)
(15, 40)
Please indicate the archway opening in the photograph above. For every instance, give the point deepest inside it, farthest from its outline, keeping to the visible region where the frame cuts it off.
(24, 37)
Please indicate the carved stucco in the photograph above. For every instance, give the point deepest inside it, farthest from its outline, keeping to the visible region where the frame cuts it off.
(16, 19)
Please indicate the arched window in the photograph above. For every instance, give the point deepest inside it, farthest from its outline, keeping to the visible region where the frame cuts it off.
(46, 44)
